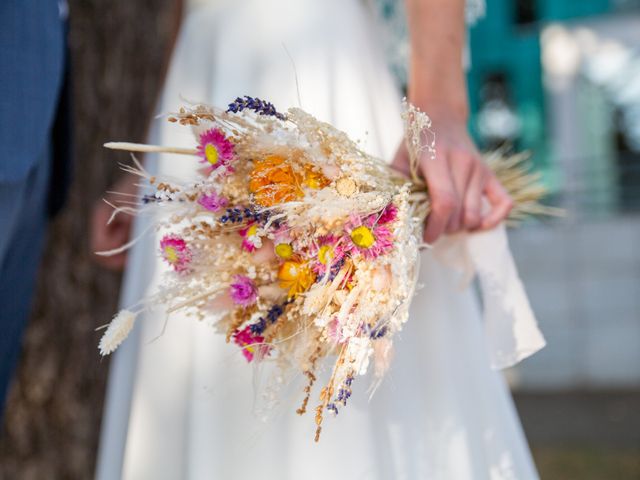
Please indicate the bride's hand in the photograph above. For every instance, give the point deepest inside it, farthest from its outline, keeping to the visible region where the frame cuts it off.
(107, 237)
(457, 180)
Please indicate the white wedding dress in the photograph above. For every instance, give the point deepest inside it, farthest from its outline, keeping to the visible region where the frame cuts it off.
(181, 406)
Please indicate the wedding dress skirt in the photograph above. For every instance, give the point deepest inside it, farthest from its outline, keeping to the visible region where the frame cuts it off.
(180, 406)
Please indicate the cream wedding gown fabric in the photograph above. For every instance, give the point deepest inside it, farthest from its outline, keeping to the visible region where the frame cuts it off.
(180, 406)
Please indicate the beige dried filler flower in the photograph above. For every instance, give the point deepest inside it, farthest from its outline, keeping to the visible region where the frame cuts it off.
(116, 332)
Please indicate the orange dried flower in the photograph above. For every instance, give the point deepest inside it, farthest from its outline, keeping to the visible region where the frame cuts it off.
(314, 178)
(273, 181)
(296, 277)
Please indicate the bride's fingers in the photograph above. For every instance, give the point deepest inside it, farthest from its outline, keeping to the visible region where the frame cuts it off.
(401, 159)
(461, 167)
(500, 201)
(472, 203)
(444, 200)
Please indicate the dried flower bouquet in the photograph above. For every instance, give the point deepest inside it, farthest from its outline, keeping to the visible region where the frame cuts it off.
(300, 245)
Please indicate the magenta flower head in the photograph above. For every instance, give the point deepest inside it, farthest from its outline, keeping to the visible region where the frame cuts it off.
(251, 344)
(175, 252)
(215, 149)
(389, 214)
(212, 201)
(243, 291)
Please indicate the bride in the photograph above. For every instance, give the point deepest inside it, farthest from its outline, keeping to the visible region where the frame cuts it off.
(182, 406)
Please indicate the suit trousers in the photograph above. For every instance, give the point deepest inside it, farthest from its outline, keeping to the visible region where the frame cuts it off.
(23, 221)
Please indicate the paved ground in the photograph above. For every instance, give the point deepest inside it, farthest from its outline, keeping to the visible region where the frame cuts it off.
(602, 419)
(587, 464)
(583, 435)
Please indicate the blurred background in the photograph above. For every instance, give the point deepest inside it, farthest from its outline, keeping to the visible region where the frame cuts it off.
(560, 78)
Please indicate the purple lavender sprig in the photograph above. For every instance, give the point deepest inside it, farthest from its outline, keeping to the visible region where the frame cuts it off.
(261, 107)
(335, 269)
(247, 215)
(378, 332)
(272, 316)
(344, 393)
(150, 199)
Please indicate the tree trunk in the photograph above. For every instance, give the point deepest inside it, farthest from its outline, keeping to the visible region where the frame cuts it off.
(118, 53)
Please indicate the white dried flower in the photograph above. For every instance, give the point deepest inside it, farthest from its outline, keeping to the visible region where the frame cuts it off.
(255, 239)
(251, 270)
(117, 331)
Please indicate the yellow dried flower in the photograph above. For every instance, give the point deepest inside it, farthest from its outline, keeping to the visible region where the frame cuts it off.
(296, 277)
(284, 250)
(313, 178)
(325, 254)
(363, 236)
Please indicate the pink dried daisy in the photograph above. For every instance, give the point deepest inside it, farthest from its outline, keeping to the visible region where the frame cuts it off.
(282, 243)
(212, 201)
(251, 344)
(251, 239)
(326, 253)
(368, 239)
(243, 291)
(215, 149)
(175, 252)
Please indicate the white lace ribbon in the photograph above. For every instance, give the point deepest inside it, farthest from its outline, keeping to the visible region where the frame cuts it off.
(512, 332)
